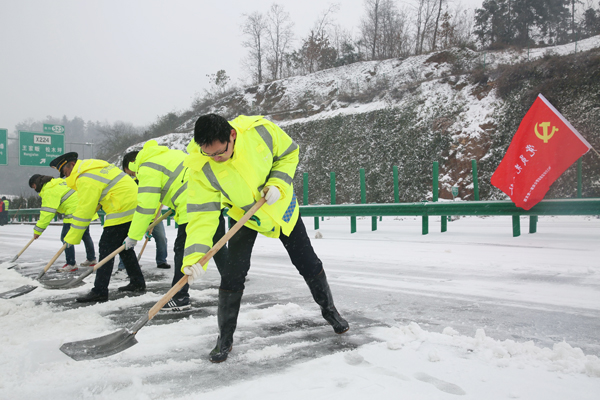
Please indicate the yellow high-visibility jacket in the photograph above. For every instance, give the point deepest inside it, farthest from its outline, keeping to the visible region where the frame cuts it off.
(162, 179)
(264, 155)
(56, 197)
(98, 182)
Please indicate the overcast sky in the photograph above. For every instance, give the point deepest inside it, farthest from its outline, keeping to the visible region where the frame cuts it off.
(128, 60)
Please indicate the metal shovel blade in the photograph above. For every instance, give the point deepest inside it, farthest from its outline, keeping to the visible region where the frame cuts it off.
(66, 283)
(61, 283)
(17, 292)
(103, 346)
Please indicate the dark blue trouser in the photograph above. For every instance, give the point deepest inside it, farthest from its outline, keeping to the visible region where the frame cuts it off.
(298, 246)
(112, 238)
(87, 241)
(220, 258)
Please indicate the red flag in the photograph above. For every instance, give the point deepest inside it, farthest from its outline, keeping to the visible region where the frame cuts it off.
(545, 145)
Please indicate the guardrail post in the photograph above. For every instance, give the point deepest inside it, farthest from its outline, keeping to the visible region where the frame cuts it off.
(425, 225)
(436, 174)
(475, 183)
(305, 196)
(332, 186)
(305, 188)
(516, 225)
(363, 188)
(396, 189)
(533, 219)
(352, 224)
(579, 178)
(363, 197)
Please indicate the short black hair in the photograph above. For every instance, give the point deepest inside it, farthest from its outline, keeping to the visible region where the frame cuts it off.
(129, 157)
(34, 179)
(210, 128)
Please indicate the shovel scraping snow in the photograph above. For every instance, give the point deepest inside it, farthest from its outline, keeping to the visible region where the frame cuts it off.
(123, 339)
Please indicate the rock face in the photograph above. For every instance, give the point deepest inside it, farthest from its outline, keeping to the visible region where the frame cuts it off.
(452, 106)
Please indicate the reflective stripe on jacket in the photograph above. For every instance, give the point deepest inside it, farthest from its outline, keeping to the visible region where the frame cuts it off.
(98, 182)
(162, 180)
(264, 155)
(56, 197)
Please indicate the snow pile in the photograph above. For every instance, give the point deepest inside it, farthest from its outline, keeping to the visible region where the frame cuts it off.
(504, 354)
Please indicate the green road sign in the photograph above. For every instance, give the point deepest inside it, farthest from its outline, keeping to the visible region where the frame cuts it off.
(49, 128)
(3, 146)
(38, 149)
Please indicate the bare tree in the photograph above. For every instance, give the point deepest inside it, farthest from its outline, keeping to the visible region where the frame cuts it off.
(117, 137)
(425, 10)
(280, 33)
(437, 22)
(383, 29)
(317, 51)
(394, 36)
(255, 28)
(370, 25)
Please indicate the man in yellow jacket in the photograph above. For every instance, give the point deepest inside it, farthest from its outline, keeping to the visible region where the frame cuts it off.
(58, 197)
(164, 180)
(233, 164)
(98, 182)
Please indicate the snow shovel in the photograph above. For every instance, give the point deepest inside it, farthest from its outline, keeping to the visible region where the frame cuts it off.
(74, 282)
(123, 339)
(28, 288)
(21, 252)
(17, 292)
(47, 267)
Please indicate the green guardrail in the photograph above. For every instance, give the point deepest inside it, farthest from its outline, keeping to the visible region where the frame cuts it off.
(578, 206)
(589, 206)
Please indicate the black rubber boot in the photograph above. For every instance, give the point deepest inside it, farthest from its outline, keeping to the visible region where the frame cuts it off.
(227, 314)
(322, 294)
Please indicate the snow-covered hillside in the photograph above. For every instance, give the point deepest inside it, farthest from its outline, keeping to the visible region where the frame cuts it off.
(408, 113)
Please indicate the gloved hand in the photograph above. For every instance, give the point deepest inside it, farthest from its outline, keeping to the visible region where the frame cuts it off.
(194, 272)
(271, 194)
(129, 243)
(69, 245)
(148, 235)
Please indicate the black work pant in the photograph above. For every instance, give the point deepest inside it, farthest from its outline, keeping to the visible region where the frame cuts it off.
(112, 238)
(220, 258)
(240, 245)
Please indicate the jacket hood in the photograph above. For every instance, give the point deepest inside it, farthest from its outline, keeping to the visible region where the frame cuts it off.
(81, 167)
(150, 149)
(245, 122)
(51, 184)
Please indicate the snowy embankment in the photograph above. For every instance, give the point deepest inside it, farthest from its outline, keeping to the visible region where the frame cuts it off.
(472, 312)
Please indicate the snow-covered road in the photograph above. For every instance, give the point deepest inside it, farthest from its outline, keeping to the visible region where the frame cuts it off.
(472, 312)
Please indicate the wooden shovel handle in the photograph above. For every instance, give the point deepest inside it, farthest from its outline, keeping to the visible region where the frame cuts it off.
(143, 248)
(122, 247)
(58, 253)
(177, 287)
(25, 248)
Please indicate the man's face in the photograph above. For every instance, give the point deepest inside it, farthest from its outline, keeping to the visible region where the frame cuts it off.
(219, 151)
(68, 168)
(129, 172)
